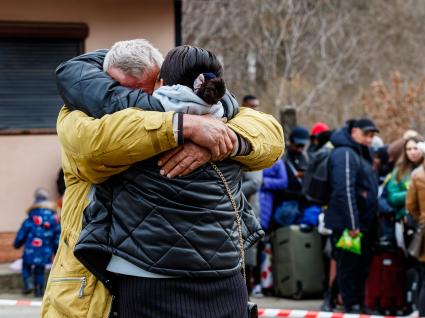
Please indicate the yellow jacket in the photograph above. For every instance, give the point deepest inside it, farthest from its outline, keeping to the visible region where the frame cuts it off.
(95, 149)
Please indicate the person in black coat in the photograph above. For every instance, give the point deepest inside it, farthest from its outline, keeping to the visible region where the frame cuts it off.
(353, 205)
(296, 163)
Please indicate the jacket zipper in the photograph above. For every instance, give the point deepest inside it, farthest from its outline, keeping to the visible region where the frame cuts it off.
(83, 281)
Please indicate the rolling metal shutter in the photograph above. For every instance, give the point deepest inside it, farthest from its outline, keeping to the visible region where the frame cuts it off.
(28, 94)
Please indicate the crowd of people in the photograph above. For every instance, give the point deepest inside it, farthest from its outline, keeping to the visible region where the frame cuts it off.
(347, 180)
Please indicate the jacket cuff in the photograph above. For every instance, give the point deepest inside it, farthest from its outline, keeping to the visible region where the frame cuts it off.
(242, 147)
(178, 128)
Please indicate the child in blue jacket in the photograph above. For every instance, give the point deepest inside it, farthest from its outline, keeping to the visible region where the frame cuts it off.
(40, 233)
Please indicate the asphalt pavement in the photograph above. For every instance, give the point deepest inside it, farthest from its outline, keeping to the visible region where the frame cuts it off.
(19, 312)
(265, 302)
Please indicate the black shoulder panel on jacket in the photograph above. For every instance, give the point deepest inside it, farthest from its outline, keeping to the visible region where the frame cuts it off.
(83, 85)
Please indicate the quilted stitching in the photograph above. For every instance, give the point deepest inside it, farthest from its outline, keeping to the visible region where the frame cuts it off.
(182, 234)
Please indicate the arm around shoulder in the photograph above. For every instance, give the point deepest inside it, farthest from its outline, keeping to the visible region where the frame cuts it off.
(265, 135)
(79, 77)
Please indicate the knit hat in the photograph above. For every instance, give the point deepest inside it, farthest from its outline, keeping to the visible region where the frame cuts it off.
(41, 195)
(318, 128)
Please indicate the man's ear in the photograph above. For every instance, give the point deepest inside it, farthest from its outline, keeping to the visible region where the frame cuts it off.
(158, 83)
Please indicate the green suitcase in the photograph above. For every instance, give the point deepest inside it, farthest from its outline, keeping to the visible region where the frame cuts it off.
(297, 262)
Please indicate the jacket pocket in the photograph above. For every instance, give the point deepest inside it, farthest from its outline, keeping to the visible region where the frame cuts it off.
(71, 294)
(70, 286)
(81, 281)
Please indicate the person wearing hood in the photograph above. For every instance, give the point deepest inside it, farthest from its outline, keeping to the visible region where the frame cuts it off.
(353, 205)
(39, 234)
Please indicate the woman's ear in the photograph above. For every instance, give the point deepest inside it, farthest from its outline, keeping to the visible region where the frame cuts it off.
(158, 83)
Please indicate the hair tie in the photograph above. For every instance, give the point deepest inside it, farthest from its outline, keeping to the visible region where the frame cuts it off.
(201, 79)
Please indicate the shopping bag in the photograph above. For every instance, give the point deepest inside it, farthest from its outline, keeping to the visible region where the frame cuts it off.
(350, 244)
(16, 266)
(266, 267)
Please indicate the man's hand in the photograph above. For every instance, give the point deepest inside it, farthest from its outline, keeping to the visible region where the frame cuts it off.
(354, 233)
(300, 174)
(183, 160)
(211, 133)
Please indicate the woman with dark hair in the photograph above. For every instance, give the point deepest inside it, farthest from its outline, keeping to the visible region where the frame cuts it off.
(195, 86)
(171, 247)
(397, 186)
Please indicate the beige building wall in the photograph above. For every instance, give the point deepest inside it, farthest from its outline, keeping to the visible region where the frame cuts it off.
(26, 162)
(108, 20)
(31, 161)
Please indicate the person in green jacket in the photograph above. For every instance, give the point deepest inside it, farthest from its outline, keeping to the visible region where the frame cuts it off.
(398, 184)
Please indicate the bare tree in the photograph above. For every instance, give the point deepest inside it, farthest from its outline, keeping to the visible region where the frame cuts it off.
(283, 47)
(396, 107)
(314, 55)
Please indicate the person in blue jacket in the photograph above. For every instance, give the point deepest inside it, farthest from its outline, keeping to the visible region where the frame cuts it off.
(353, 205)
(39, 234)
(275, 180)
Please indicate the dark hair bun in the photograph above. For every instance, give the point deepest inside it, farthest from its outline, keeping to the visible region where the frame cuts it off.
(212, 91)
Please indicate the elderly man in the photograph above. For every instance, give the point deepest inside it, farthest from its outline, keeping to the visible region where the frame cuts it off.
(95, 149)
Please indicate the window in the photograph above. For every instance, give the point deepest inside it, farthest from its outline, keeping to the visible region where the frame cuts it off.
(29, 55)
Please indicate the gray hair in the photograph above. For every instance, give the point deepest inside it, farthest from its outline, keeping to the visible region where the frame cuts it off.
(133, 57)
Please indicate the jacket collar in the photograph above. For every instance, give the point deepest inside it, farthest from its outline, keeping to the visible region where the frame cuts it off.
(342, 138)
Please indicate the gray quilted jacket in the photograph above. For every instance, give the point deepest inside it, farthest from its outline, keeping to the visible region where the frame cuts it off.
(179, 227)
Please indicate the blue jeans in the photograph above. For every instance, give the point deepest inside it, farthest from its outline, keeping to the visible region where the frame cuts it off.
(421, 300)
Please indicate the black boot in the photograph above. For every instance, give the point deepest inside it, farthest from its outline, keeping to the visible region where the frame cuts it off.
(328, 302)
(38, 292)
(28, 286)
(371, 312)
(355, 309)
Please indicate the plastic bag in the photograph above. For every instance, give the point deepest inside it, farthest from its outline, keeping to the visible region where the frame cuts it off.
(16, 266)
(350, 244)
(266, 266)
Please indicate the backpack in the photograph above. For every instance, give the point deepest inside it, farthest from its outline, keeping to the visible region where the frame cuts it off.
(316, 185)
